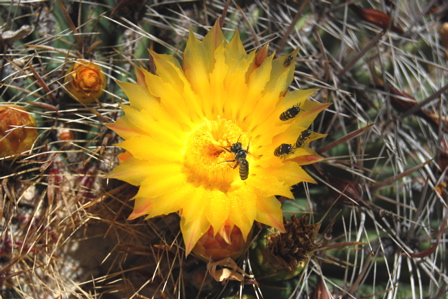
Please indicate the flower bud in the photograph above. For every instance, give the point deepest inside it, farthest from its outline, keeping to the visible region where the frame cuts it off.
(17, 130)
(376, 17)
(443, 33)
(228, 242)
(85, 81)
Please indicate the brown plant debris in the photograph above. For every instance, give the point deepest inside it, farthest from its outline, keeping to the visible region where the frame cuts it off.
(288, 250)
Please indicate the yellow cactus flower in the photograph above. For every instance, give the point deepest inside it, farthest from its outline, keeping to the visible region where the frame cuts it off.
(85, 81)
(17, 130)
(200, 138)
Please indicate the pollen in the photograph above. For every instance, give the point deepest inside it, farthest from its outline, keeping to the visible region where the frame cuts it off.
(208, 161)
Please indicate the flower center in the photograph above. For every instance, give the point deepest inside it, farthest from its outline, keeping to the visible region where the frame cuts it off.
(208, 159)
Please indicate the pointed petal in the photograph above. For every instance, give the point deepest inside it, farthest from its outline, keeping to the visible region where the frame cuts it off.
(217, 77)
(295, 129)
(131, 170)
(145, 125)
(197, 64)
(170, 202)
(281, 74)
(140, 75)
(213, 39)
(269, 185)
(168, 68)
(142, 207)
(139, 96)
(256, 85)
(193, 222)
(235, 53)
(144, 148)
(242, 210)
(217, 210)
(124, 128)
(124, 156)
(236, 86)
(294, 98)
(269, 212)
(161, 182)
(305, 156)
(289, 173)
(310, 111)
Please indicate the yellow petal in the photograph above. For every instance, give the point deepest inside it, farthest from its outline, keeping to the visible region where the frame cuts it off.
(235, 55)
(131, 170)
(142, 206)
(305, 156)
(269, 212)
(170, 202)
(269, 184)
(242, 210)
(139, 96)
(159, 205)
(217, 77)
(260, 77)
(197, 64)
(161, 182)
(213, 39)
(164, 129)
(193, 221)
(310, 111)
(290, 173)
(148, 149)
(294, 98)
(124, 128)
(217, 209)
(281, 75)
(168, 68)
(255, 96)
(140, 75)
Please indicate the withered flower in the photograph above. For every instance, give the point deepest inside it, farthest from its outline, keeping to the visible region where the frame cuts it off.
(288, 250)
(284, 255)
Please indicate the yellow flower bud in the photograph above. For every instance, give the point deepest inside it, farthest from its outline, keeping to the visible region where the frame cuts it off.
(17, 130)
(85, 81)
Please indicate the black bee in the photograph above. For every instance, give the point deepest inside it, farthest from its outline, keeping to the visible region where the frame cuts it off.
(290, 113)
(240, 158)
(244, 169)
(287, 61)
(283, 149)
(302, 138)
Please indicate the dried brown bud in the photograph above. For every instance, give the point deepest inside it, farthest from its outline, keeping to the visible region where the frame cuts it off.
(347, 192)
(288, 250)
(261, 55)
(402, 105)
(443, 155)
(320, 291)
(376, 17)
(443, 32)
